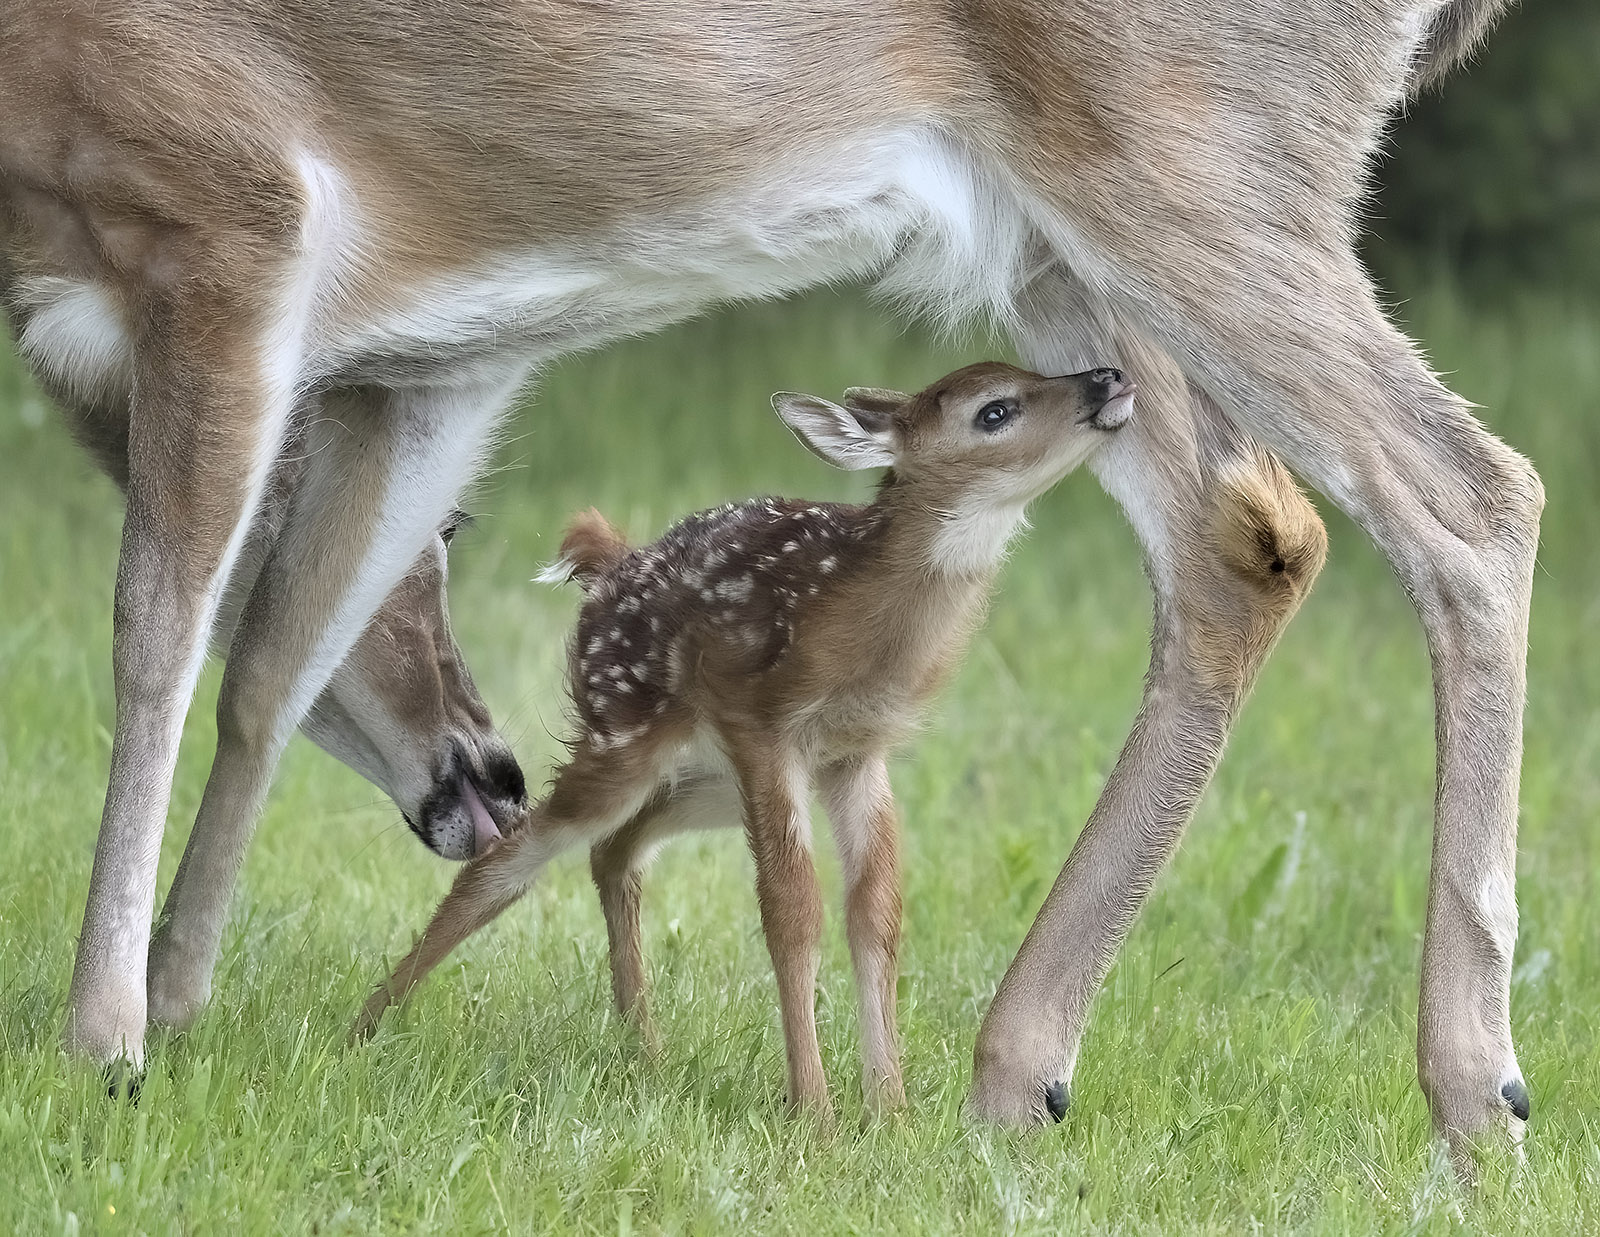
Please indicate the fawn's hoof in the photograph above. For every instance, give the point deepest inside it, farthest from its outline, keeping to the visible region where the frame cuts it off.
(124, 1080)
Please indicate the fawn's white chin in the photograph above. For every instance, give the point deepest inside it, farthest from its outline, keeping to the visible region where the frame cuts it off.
(1116, 412)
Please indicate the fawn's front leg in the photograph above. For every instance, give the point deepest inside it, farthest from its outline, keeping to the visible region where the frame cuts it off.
(778, 826)
(861, 808)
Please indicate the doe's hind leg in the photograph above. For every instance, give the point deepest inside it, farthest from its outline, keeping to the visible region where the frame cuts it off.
(1231, 548)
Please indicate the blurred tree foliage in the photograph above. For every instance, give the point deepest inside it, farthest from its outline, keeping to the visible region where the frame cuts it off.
(1496, 176)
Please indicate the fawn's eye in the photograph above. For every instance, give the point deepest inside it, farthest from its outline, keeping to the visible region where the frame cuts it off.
(993, 416)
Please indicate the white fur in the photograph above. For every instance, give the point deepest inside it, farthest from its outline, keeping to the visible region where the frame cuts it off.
(330, 244)
(557, 572)
(1496, 911)
(833, 433)
(910, 206)
(325, 240)
(699, 760)
(76, 337)
(852, 802)
(1415, 28)
(797, 781)
(973, 538)
(450, 432)
(712, 803)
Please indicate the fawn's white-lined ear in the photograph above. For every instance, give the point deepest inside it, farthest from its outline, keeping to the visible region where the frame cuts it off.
(850, 439)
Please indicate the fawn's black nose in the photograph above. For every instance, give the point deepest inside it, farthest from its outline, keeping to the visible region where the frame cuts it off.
(1105, 377)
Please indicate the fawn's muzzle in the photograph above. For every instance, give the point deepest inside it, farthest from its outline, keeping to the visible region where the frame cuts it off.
(1111, 394)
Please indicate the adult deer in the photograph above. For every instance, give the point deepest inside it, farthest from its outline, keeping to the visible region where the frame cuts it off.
(222, 216)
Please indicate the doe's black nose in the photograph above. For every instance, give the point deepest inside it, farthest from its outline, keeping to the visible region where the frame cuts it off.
(502, 778)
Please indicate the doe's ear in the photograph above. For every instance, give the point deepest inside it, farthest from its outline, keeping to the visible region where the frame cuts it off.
(845, 437)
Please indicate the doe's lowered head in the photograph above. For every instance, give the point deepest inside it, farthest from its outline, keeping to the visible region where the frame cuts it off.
(403, 711)
(990, 430)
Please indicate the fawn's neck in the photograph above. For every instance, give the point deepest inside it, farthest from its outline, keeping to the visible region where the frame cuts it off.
(935, 539)
(932, 567)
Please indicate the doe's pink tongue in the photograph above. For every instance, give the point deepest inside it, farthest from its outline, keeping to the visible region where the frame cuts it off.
(485, 833)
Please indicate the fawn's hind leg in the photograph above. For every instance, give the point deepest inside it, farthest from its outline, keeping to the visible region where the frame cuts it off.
(861, 809)
(594, 793)
(618, 863)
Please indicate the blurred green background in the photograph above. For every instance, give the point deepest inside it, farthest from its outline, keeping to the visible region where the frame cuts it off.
(1494, 179)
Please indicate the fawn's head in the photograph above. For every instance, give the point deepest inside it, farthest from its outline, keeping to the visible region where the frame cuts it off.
(990, 436)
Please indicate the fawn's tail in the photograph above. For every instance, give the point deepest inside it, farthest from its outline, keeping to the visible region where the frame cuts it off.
(591, 549)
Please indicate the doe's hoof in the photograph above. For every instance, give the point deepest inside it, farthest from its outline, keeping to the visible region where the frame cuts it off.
(124, 1081)
(1056, 1099)
(1515, 1094)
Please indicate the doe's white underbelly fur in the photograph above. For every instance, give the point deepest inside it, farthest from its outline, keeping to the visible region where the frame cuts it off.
(908, 207)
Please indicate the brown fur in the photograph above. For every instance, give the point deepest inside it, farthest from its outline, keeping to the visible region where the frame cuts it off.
(593, 547)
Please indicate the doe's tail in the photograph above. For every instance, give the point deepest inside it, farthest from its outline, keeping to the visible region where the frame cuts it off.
(591, 549)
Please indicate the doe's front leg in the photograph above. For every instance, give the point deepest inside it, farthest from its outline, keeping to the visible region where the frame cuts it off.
(203, 430)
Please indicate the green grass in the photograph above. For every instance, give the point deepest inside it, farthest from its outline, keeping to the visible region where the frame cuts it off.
(1249, 1065)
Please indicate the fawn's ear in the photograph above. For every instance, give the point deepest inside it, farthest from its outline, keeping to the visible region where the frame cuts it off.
(868, 402)
(850, 438)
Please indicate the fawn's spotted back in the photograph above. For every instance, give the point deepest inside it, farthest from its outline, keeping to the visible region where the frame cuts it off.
(731, 582)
